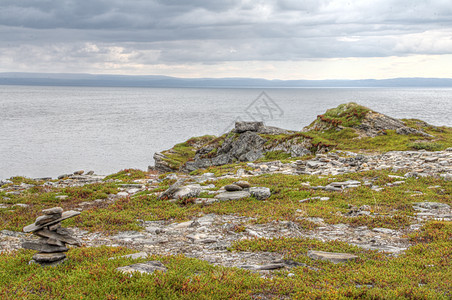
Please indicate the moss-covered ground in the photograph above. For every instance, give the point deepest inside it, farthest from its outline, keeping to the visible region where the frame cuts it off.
(422, 272)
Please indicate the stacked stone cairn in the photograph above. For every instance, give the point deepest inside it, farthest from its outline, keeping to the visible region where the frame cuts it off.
(53, 238)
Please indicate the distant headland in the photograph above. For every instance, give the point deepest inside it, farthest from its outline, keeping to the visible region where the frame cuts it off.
(103, 80)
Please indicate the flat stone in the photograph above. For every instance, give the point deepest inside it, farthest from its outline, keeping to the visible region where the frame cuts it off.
(172, 189)
(232, 188)
(148, 267)
(66, 215)
(339, 184)
(260, 193)
(331, 256)
(232, 195)
(53, 210)
(271, 267)
(132, 256)
(60, 237)
(188, 191)
(314, 164)
(48, 264)
(43, 247)
(54, 242)
(432, 205)
(243, 184)
(49, 257)
(330, 188)
(42, 220)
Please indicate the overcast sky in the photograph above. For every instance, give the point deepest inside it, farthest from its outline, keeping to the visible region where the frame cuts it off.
(286, 39)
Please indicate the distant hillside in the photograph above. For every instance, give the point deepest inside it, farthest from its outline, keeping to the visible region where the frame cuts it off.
(54, 79)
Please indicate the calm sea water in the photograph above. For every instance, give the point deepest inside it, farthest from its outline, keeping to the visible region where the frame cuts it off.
(48, 131)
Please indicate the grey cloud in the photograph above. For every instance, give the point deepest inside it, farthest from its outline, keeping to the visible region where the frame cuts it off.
(205, 31)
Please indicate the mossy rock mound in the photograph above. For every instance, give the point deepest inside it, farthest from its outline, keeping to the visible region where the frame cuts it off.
(366, 122)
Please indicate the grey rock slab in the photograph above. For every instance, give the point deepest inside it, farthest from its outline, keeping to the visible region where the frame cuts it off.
(330, 188)
(260, 193)
(53, 211)
(232, 195)
(432, 205)
(43, 247)
(66, 215)
(331, 256)
(172, 189)
(60, 237)
(41, 220)
(148, 267)
(48, 264)
(188, 191)
(49, 257)
(54, 242)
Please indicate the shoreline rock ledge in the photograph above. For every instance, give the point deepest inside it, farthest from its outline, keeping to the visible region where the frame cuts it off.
(53, 238)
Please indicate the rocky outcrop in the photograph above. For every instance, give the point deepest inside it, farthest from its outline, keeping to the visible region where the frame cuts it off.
(364, 121)
(248, 141)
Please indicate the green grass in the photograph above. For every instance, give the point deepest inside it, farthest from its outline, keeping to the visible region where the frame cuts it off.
(391, 208)
(127, 175)
(422, 272)
(346, 115)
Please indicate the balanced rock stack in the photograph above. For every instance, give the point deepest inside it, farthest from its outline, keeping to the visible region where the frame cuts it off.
(53, 238)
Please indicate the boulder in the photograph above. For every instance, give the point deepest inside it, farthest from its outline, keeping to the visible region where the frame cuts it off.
(260, 193)
(233, 187)
(188, 191)
(172, 189)
(243, 184)
(241, 127)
